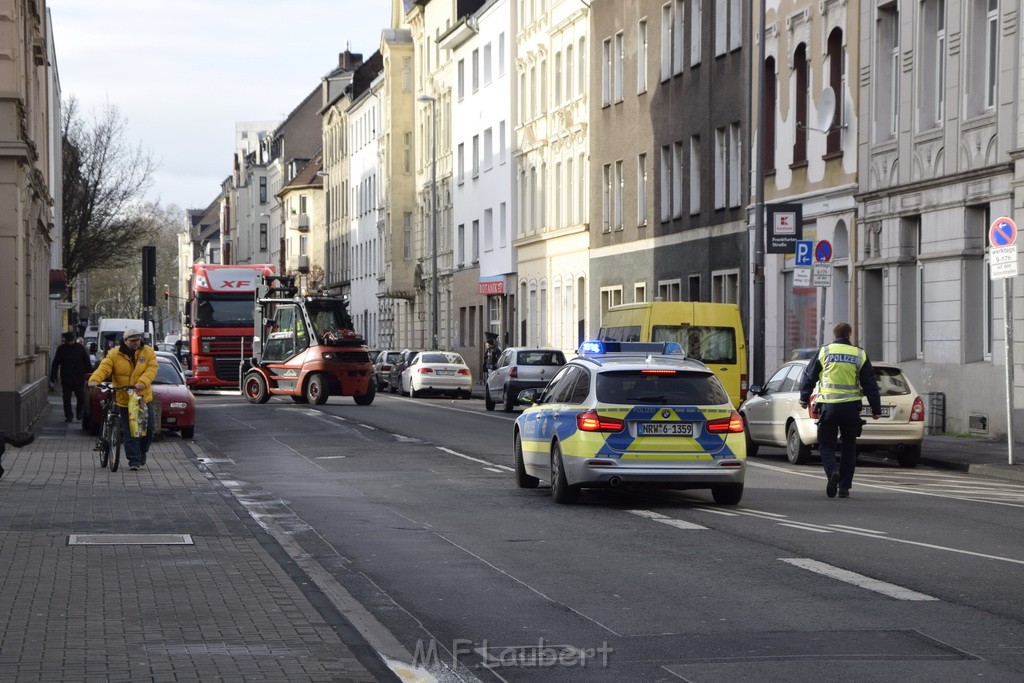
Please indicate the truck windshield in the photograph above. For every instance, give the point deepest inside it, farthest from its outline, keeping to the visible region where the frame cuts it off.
(223, 312)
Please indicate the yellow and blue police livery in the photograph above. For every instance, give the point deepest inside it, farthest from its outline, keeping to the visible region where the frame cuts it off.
(631, 414)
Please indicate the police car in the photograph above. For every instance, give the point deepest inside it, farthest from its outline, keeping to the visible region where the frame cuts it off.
(623, 414)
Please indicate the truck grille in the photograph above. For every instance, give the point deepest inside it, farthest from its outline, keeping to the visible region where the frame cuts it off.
(226, 369)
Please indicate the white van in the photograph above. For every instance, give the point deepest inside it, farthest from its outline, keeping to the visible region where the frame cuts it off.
(112, 329)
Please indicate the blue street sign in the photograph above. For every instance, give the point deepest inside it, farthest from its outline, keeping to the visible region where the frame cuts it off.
(823, 251)
(804, 248)
(1003, 232)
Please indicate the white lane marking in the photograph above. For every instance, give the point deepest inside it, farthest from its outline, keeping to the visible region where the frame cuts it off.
(366, 426)
(714, 511)
(853, 578)
(891, 487)
(494, 469)
(805, 527)
(856, 528)
(752, 511)
(471, 458)
(330, 457)
(406, 439)
(663, 519)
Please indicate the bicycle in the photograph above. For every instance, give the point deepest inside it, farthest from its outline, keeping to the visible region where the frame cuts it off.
(111, 438)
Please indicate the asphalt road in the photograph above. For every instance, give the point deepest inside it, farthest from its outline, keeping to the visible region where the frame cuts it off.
(407, 514)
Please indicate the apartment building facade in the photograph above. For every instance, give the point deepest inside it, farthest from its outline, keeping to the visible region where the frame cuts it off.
(668, 187)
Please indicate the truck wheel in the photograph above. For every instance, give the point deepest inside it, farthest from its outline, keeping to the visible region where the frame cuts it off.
(316, 390)
(255, 388)
(367, 398)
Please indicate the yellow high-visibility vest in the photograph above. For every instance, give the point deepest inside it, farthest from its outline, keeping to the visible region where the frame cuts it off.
(840, 370)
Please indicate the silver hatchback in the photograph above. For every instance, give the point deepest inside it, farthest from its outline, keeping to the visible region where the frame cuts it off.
(519, 368)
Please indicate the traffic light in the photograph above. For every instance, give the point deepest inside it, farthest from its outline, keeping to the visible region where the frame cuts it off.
(149, 276)
(167, 294)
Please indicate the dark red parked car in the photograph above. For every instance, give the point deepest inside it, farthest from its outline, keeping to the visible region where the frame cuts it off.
(176, 406)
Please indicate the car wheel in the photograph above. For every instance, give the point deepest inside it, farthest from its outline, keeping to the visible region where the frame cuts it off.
(391, 387)
(488, 403)
(909, 456)
(255, 388)
(188, 432)
(413, 393)
(367, 398)
(796, 452)
(316, 390)
(728, 494)
(509, 401)
(751, 446)
(523, 480)
(561, 492)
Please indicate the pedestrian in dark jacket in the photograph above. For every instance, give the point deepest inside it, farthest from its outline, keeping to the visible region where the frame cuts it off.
(74, 364)
(844, 375)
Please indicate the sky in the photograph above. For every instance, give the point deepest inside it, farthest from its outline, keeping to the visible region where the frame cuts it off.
(183, 73)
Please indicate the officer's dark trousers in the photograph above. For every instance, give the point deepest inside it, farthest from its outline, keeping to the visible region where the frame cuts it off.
(839, 419)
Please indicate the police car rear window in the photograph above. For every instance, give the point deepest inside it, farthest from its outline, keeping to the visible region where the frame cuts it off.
(660, 387)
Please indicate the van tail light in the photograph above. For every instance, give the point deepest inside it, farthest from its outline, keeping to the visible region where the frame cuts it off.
(731, 425)
(917, 412)
(513, 373)
(744, 385)
(590, 421)
(425, 371)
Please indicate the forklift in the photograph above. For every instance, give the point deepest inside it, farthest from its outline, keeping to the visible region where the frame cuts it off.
(304, 347)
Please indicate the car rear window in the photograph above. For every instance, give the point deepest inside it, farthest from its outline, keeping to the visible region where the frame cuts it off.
(707, 344)
(540, 358)
(442, 358)
(660, 387)
(891, 382)
(393, 357)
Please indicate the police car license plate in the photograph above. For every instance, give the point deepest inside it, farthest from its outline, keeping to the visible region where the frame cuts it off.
(666, 429)
(886, 411)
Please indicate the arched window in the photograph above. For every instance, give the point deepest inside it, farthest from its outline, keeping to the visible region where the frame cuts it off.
(802, 80)
(837, 81)
(771, 105)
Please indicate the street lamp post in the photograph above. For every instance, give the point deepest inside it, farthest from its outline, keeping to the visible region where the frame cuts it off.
(433, 216)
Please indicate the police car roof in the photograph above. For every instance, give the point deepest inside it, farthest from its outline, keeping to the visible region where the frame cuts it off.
(638, 354)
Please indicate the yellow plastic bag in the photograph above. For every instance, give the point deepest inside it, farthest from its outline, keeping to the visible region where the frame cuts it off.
(137, 415)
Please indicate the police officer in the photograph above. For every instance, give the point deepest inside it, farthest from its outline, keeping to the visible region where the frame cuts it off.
(842, 372)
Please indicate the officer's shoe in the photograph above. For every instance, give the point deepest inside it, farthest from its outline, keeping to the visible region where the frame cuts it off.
(833, 485)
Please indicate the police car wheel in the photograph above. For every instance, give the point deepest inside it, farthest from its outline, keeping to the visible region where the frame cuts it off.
(523, 480)
(728, 494)
(561, 492)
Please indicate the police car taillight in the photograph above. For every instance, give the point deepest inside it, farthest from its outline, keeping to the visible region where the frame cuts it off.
(590, 421)
(917, 412)
(731, 424)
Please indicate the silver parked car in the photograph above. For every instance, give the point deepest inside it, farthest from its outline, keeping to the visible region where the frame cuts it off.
(520, 368)
(773, 416)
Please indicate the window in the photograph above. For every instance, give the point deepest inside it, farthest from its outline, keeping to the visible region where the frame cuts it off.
(461, 163)
(558, 194)
(695, 25)
(582, 56)
(460, 245)
(887, 91)
(476, 241)
(933, 63)
(610, 296)
(802, 94)
(640, 292)
(568, 72)
(666, 41)
(407, 152)
(488, 147)
(668, 290)
(581, 187)
(694, 175)
(407, 235)
(721, 27)
(721, 165)
(641, 57)
(502, 225)
(476, 156)
(263, 236)
(618, 191)
(501, 54)
(641, 189)
(461, 78)
(768, 120)
(679, 36)
(666, 183)
(487, 64)
(991, 52)
(501, 142)
(263, 190)
(678, 175)
(619, 58)
(606, 72)
(693, 287)
(735, 172)
(570, 214)
(735, 24)
(558, 78)
(837, 81)
(725, 286)
(476, 70)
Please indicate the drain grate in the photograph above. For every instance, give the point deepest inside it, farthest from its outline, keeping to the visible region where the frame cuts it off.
(130, 539)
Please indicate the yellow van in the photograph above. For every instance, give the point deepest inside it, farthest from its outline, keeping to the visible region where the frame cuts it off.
(710, 333)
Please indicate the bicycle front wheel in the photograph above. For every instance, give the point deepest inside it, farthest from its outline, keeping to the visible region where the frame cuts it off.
(115, 443)
(105, 438)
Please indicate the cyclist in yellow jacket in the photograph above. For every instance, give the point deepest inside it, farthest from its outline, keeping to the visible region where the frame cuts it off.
(131, 364)
(843, 374)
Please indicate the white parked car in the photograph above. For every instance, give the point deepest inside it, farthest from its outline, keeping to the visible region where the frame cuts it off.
(773, 416)
(437, 372)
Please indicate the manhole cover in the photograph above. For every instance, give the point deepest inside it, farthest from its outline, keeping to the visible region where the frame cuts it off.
(130, 539)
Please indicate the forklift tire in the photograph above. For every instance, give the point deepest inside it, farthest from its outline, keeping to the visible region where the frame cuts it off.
(300, 399)
(316, 390)
(367, 398)
(255, 388)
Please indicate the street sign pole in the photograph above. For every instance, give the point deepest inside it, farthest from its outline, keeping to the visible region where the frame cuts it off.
(1008, 313)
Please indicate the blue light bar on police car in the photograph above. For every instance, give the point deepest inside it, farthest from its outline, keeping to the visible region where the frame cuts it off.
(600, 348)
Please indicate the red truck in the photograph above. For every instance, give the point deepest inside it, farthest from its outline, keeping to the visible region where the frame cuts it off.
(220, 321)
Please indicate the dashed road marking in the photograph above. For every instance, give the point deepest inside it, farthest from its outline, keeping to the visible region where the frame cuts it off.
(855, 579)
(664, 519)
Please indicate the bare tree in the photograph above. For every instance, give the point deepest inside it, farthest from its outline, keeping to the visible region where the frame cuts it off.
(105, 179)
